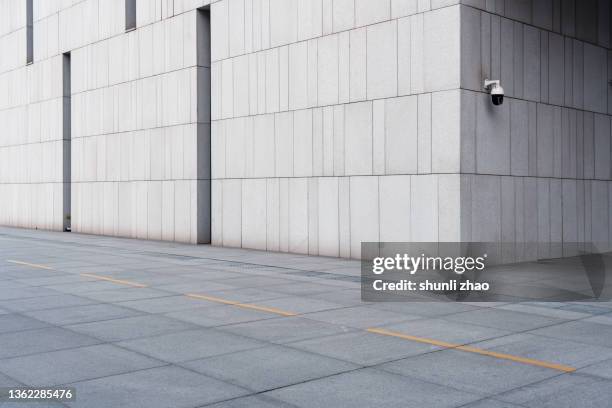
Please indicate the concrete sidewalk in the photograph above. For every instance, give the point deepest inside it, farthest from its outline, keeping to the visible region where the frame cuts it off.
(138, 323)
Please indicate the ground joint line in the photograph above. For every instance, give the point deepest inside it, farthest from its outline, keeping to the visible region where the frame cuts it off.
(470, 349)
(29, 264)
(119, 281)
(242, 305)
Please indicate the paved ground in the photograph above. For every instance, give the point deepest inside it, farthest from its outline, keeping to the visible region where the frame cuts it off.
(146, 324)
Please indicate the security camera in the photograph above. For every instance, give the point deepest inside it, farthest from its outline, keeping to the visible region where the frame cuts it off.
(496, 91)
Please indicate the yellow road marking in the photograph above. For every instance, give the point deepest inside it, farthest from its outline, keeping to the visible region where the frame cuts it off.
(242, 305)
(119, 281)
(210, 299)
(29, 264)
(503, 356)
(443, 344)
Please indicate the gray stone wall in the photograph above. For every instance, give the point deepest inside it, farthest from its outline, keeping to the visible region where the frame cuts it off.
(140, 135)
(538, 168)
(334, 122)
(330, 122)
(31, 136)
(136, 127)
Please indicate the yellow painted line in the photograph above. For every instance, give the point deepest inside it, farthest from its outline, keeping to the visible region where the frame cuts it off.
(119, 281)
(503, 356)
(242, 305)
(266, 309)
(210, 299)
(29, 264)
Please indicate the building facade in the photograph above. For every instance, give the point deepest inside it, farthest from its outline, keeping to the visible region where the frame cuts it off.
(308, 126)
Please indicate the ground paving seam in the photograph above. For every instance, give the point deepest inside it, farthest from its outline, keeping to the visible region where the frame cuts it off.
(371, 366)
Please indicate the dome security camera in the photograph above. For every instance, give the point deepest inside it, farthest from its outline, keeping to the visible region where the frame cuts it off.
(496, 91)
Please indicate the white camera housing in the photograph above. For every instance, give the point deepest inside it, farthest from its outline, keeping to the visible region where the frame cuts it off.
(496, 91)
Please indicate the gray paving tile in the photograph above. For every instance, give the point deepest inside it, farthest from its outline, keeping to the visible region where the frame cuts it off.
(107, 267)
(210, 274)
(544, 311)
(364, 348)
(53, 280)
(190, 345)
(300, 304)
(20, 272)
(592, 309)
(602, 369)
(7, 284)
(79, 288)
(166, 304)
(345, 297)
(46, 302)
(41, 340)
(446, 330)
(470, 372)
(195, 286)
(252, 401)
(131, 327)
(69, 262)
(6, 381)
(581, 332)
(10, 271)
(566, 391)
(124, 294)
(504, 319)
(77, 364)
(30, 404)
(482, 305)
(371, 388)
(157, 279)
(600, 319)
(269, 367)
(157, 387)
(23, 293)
(548, 349)
(82, 314)
(246, 294)
(25, 272)
(256, 282)
(220, 315)
(285, 330)
(331, 281)
(15, 322)
(426, 309)
(583, 345)
(359, 317)
(490, 403)
(298, 288)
